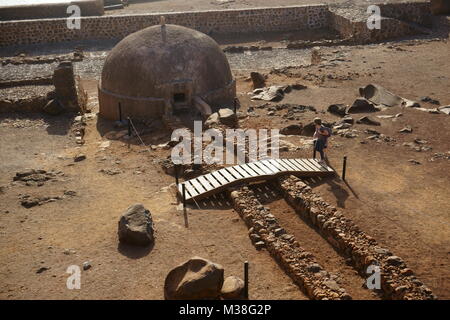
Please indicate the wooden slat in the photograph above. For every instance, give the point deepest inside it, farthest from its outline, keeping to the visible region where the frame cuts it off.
(256, 169)
(300, 164)
(308, 165)
(315, 165)
(227, 176)
(324, 166)
(212, 180)
(288, 165)
(247, 168)
(270, 166)
(263, 168)
(219, 177)
(235, 173)
(296, 166)
(190, 189)
(205, 184)
(244, 173)
(198, 186)
(277, 163)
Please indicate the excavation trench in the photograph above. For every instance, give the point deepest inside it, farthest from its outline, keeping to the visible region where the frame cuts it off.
(397, 281)
(315, 281)
(312, 241)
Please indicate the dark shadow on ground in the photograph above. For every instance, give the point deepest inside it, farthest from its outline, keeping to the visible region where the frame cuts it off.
(219, 201)
(134, 252)
(336, 187)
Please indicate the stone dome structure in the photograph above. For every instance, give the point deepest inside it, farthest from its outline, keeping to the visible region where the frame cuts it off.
(162, 70)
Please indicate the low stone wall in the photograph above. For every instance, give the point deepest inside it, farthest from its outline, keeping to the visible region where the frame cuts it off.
(398, 20)
(397, 280)
(117, 27)
(299, 264)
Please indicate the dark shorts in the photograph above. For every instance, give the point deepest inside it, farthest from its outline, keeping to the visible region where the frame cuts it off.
(319, 145)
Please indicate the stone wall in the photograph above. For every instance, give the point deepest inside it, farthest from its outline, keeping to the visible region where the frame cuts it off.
(299, 264)
(398, 20)
(397, 280)
(117, 27)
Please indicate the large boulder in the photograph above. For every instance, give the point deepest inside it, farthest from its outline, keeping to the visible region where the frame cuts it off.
(136, 226)
(195, 279)
(232, 288)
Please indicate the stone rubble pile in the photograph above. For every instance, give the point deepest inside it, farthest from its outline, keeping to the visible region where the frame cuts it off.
(397, 280)
(299, 264)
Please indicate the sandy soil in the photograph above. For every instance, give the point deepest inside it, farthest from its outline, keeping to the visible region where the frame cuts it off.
(404, 206)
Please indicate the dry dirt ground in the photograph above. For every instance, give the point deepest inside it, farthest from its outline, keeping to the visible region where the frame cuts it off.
(402, 205)
(148, 6)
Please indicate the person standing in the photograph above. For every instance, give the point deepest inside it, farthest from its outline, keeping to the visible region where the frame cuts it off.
(320, 137)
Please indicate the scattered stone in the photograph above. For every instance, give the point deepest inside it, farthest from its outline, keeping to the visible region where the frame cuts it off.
(79, 157)
(197, 278)
(259, 80)
(314, 268)
(232, 288)
(394, 260)
(260, 245)
(348, 119)
(369, 121)
(273, 93)
(362, 105)
(293, 129)
(445, 110)
(228, 117)
(414, 161)
(86, 265)
(406, 129)
(42, 269)
(338, 109)
(343, 125)
(136, 226)
(430, 100)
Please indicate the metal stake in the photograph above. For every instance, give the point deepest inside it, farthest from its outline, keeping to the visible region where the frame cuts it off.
(120, 112)
(176, 174)
(344, 168)
(246, 279)
(186, 223)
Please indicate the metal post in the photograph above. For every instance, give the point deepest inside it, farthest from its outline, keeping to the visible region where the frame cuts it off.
(129, 126)
(176, 173)
(246, 279)
(235, 105)
(344, 167)
(120, 112)
(186, 223)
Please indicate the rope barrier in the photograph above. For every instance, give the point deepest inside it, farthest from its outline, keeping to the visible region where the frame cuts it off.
(137, 134)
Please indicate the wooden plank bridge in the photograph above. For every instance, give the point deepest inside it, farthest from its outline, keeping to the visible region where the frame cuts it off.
(215, 182)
